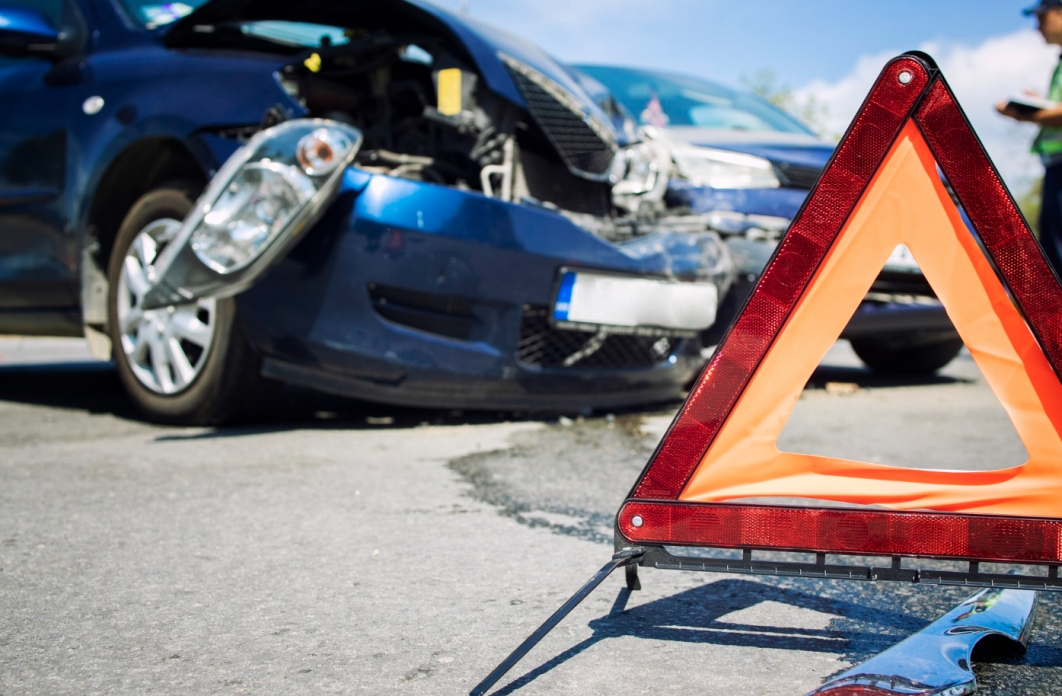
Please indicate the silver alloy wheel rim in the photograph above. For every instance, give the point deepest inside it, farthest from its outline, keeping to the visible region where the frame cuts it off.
(167, 348)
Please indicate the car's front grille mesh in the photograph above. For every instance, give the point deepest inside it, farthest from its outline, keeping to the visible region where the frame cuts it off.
(579, 145)
(542, 345)
(547, 180)
(797, 176)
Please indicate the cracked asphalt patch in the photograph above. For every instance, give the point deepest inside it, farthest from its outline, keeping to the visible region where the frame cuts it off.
(567, 478)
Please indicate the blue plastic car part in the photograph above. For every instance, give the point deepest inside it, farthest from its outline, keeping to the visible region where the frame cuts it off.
(937, 661)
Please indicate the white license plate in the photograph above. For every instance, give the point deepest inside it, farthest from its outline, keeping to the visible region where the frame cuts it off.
(611, 301)
(902, 260)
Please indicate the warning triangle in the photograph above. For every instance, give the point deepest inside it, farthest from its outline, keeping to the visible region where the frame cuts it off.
(881, 189)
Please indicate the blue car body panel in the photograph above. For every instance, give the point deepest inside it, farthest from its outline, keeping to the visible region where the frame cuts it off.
(313, 318)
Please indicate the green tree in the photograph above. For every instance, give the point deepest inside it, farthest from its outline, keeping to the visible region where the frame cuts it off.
(811, 111)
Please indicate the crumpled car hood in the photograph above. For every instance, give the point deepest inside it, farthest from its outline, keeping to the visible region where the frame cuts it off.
(482, 41)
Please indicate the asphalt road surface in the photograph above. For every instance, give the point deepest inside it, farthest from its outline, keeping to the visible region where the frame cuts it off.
(346, 548)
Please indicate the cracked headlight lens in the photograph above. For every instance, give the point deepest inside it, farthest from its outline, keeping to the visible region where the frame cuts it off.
(252, 203)
(640, 173)
(722, 169)
(254, 208)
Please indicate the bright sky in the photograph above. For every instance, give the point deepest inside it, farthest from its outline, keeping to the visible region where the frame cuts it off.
(830, 49)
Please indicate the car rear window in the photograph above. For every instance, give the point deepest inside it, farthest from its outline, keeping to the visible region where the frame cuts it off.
(664, 99)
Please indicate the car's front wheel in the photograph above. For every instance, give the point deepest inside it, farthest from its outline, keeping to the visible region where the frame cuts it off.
(905, 356)
(187, 364)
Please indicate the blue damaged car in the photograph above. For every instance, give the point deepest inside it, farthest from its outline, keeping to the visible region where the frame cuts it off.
(748, 167)
(377, 199)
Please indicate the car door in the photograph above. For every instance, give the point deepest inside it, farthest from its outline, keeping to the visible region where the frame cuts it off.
(38, 258)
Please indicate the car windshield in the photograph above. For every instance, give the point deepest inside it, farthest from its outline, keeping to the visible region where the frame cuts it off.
(156, 14)
(296, 33)
(665, 99)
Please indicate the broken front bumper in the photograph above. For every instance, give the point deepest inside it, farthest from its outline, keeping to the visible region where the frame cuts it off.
(417, 294)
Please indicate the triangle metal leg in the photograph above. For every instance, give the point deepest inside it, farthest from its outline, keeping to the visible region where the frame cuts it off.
(624, 557)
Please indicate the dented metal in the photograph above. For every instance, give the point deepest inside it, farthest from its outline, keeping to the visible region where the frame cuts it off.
(936, 660)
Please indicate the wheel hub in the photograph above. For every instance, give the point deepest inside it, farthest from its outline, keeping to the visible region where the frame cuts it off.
(166, 349)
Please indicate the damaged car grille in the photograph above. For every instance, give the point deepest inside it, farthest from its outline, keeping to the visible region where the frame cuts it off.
(584, 144)
(542, 345)
(550, 182)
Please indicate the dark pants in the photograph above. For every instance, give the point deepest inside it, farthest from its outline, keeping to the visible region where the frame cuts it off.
(1051, 218)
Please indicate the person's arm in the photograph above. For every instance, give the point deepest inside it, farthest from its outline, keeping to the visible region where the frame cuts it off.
(1048, 117)
(1043, 117)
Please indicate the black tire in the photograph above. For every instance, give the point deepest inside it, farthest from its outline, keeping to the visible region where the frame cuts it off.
(906, 358)
(229, 385)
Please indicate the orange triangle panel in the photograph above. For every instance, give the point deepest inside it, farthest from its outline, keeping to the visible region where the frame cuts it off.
(881, 189)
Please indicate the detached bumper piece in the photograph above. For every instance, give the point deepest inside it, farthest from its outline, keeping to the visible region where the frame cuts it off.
(936, 660)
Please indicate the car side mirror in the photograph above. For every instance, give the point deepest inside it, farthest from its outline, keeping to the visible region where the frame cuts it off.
(26, 33)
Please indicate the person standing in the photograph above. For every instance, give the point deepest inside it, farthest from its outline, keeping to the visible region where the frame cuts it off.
(1048, 144)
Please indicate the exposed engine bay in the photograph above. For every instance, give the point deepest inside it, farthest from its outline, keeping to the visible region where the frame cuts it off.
(389, 88)
(427, 115)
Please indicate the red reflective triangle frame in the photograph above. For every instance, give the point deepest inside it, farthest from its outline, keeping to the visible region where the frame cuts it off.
(909, 89)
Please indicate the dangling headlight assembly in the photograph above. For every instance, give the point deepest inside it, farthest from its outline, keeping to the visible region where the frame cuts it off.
(722, 169)
(640, 172)
(254, 210)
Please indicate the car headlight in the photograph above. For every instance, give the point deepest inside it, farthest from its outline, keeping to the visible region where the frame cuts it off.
(268, 192)
(242, 213)
(636, 170)
(722, 169)
(640, 173)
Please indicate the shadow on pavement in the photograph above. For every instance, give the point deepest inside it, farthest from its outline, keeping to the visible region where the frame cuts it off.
(865, 378)
(860, 629)
(693, 616)
(94, 387)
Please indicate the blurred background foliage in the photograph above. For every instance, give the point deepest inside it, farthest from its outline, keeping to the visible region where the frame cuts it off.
(766, 83)
(1030, 202)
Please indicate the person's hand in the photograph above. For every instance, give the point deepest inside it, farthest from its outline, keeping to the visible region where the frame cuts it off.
(1014, 113)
